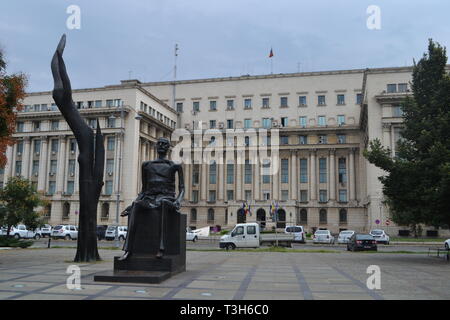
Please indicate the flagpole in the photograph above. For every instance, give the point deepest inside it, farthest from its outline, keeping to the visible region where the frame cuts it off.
(271, 66)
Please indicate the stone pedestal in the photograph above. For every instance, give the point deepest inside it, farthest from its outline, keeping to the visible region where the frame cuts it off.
(143, 266)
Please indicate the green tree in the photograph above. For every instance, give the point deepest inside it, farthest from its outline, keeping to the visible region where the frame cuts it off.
(417, 183)
(18, 202)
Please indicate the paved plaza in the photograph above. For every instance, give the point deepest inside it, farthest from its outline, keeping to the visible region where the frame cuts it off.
(41, 274)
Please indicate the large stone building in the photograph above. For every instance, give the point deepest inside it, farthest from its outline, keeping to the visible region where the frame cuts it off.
(322, 121)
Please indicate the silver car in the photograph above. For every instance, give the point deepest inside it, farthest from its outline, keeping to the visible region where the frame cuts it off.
(66, 232)
(345, 235)
(323, 236)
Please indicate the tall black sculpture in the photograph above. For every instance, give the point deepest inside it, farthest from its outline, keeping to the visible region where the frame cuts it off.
(91, 159)
(155, 247)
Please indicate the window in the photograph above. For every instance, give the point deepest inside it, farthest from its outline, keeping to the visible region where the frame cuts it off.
(19, 148)
(340, 120)
(322, 170)
(342, 195)
(37, 146)
(267, 123)
(251, 230)
(230, 173)
(37, 107)
(341, 138)
(266, 171)
(303, 139)
(51, 187)
(402, 87)
(20, 126)
(73, 145)
(248, 195)
(53, 166)
(193, 215)
(212, 172)
(108, 187)
(284, 140)
(71, 167)
(247, 172)
(212, 195)
(212, 124)
(303, 216)
(196, 106)
(230, 195)
(303, 170)
(195, 174)
(284, 195)
(322, 139)
(323, 196)
(70, 187)
(213, 105)
(195, 196)
(302, 121)
(35, 168)
(392, 88)
(54, 145)
(36, 125)
(92, 123)
(110, 166)
(179, 106)
(283, 102)
(340, 99)
(230, 104)
(321, 120)
(111, 123)
(265, 103)
(303, 195)
(111, 141)
(321, 100)
(323, 216)
(98, 103)
(342, 216)
(210, 215)
(55, 125)
(342, 169)
(358, 98)
(109, 103)
(284, 121)
(302, 101)
(284, 170)
(247, 123)
(247, 141)
(247, 103)
(397, 111)
(230, 124)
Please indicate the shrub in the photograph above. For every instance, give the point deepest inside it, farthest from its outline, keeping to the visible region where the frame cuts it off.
(14, 243)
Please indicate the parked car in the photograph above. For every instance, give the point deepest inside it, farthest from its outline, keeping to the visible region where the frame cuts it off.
(447, 244)
(66, 232)
(380, 236)
(323, 236)
(101, 231)
(345, 235)
(46, 230)
(359, 242)
(22, 232)
(190, 235)
(111, 233)
(297, 231)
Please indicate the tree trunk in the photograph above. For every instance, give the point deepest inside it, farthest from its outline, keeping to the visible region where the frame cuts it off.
(91, 159)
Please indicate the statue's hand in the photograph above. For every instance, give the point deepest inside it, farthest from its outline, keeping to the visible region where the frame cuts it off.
(62, 92)
(176, 205)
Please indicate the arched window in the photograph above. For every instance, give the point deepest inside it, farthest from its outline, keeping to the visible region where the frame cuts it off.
(342, 216)
(210, 216)
(323, 216)
(193, 215)
(66, 211)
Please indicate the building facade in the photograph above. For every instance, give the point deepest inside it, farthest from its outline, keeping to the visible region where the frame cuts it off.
(315, 126)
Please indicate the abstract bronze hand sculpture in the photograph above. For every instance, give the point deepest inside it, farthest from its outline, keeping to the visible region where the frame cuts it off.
(157, 197)
(91, 159)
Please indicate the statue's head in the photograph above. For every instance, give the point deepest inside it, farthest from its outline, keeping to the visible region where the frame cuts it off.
(162, 146)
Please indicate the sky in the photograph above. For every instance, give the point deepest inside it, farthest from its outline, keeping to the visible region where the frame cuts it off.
(135, 39)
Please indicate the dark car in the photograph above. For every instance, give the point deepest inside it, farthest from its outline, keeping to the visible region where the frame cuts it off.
(360, 242)
(101, 231)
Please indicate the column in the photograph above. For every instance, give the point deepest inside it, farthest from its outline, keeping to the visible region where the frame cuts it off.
(293, 175)
(392, 141)
(219, 182)
(238, 165)
(312, 183)
(42, 178)
(332, 180)
(77, 172)
(257, 175)
(61, 164)
(203, 186)
(275, 168)
(351, 178)
(187, 181)
(26, 160)
(8, 165)
(13, 160)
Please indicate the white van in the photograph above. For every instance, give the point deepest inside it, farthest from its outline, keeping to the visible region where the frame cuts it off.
(66, 232)
(297, 231)
(21, 232)
(110, 233)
